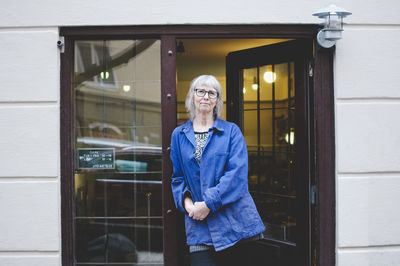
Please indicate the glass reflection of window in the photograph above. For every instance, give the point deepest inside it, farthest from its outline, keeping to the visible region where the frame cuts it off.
(90, 55)
(118, 214)
(269, 132)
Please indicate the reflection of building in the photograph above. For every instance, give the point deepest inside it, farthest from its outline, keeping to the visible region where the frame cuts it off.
(119, 89)
(112, 79)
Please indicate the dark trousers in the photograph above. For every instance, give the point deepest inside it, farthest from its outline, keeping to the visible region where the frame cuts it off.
(241, 254)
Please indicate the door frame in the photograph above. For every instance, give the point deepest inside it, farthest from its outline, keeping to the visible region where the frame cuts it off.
(321, 122)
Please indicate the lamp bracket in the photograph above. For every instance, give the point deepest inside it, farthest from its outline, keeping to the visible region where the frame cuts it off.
(323, 41)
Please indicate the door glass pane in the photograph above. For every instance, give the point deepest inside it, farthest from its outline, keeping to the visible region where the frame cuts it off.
(269, 132)
(117, 127)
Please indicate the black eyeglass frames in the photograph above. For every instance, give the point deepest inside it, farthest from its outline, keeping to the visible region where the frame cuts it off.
(203, 92)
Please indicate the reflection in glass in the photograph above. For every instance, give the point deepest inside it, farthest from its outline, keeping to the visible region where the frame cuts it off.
(128, 241)
(118, 216)
(270, 136)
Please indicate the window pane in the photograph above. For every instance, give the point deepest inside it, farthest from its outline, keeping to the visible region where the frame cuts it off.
(250, 85)
(270, 136)
(250, 129)
(124, 241)
(118, 218)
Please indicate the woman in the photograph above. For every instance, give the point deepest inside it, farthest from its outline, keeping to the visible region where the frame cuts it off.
(209, 181)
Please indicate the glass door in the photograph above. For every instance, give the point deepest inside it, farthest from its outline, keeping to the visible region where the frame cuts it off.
(269, 130)
(268, 99)
(117, 141)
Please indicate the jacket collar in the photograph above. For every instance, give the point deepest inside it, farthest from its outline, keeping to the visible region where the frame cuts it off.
(217, 126)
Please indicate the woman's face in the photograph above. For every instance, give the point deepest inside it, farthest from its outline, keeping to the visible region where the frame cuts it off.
(205, 104)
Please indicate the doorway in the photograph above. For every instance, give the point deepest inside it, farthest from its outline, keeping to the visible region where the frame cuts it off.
(266, 94)
(166, 239)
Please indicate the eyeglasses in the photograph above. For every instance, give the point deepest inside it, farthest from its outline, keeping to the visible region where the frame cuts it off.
(203, 92)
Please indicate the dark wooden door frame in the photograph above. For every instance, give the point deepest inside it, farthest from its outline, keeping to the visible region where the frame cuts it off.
(168, 99)
(324, 130)
(67, 165)
(321, 122)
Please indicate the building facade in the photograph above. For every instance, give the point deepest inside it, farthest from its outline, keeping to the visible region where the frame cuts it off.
(324, 167)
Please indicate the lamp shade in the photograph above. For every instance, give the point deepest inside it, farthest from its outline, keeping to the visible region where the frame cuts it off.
(331, 10)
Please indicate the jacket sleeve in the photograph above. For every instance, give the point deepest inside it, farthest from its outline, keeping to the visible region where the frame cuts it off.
(234, 181)
(178, 183)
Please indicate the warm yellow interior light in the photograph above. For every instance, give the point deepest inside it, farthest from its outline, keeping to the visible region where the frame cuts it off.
(244, 90)
(289, 137)
(270, 77)
(254, 86)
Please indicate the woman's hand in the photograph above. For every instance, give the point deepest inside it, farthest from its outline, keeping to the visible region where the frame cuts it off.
(189, 206)
(197, 211)
(200, 211)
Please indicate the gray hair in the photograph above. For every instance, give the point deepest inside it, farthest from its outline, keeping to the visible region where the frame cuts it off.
(209, 81)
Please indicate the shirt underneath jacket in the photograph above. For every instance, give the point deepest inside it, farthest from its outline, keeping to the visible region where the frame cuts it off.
(220, 180)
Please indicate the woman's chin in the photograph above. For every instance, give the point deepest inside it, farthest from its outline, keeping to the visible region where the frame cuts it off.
(205, 111)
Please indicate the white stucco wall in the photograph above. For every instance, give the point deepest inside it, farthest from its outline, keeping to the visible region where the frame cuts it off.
(367, 120)
(368, 158)
(30, 140)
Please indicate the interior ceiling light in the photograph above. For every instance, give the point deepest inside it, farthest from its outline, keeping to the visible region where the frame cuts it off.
(104, 75)
(126, 88)
(254, 86)
(270, 77)
(289, 137)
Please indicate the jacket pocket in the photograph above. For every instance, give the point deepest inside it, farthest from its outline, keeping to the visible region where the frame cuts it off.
(242, 216)
(190, 227)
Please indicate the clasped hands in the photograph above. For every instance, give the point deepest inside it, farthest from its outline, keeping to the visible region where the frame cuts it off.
(197, 211)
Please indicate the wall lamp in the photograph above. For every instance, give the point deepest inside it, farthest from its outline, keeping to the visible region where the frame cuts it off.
(333, 25)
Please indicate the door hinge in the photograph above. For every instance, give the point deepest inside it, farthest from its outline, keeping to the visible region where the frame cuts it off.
(61, 44)
(310, 69)
(313, 194)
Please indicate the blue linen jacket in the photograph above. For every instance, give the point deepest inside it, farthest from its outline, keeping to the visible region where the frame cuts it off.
(220, 181)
